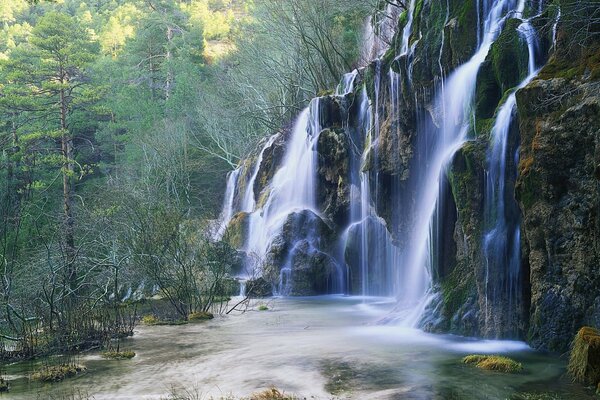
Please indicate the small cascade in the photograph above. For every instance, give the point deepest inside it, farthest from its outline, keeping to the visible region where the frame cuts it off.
(502, 240)
(408, 28)
(228, 208)
(293, 185)
(347, 84)
(249, 201)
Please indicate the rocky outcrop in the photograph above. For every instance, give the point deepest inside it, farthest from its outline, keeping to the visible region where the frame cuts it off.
(377, 136)
(559, 194)
(298, 260)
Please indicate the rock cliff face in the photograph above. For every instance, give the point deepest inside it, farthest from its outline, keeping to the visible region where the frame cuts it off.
(373, 148)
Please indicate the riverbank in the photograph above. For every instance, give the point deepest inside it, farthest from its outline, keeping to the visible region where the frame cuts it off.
(326, 347)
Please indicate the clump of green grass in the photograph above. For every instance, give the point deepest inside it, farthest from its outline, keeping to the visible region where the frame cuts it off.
(584, 361)
(262, 307)
(57, 373)
(493, 363)
(4, 387)
(200, 316)
(119, 355)
(150, 319)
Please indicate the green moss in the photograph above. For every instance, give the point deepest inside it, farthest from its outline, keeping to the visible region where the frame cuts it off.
(237, 231)
(493, 363)
(57, 373)
(509, 56)
(119, 355)
(200, 316)
(262, 307)
(573, 67)
(456, 289)
(488, 92)
(584, 360)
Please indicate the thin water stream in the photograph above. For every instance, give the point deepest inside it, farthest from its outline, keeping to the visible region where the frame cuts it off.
(326, 347)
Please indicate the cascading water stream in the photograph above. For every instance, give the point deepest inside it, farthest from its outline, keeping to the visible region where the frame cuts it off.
(455, 101)
(228, 209)
(249, 201)
(293, 185)
(501, 243)
(347, 84)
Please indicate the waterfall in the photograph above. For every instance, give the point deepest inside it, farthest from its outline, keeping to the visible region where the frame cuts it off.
(501, 242)
(455, 103)
(378, 263)
(228, 209)
(347, 84)
(293, 185)
(249, 202)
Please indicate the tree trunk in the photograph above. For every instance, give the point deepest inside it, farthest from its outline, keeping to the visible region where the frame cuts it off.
(68, 171)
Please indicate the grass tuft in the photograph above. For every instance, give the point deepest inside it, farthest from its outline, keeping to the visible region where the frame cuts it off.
(57, 373)
(150, 319)
(272, 394)
(200, 316)
(262, 307)
(493, 363)
(119, 355)
(584, 361)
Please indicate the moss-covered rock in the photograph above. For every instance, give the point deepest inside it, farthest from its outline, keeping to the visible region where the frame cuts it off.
(557, 190)
(493, 363)
(509, 56)
(236, 233)
(333, 172)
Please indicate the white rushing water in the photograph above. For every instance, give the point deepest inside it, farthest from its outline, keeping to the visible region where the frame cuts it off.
(455, 103)
(249, 201)
(293, 185)
(228, 209)
(384, 268)
(501, 243)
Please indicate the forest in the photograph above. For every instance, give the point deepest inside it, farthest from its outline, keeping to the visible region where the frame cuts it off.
(120, 120)
(320, 194)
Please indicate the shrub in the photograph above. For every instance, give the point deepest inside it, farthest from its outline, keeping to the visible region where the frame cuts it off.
(493, 363)
(4, 387)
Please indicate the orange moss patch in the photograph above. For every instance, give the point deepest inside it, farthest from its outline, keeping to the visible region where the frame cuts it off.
(272, 394)
(584, 361)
